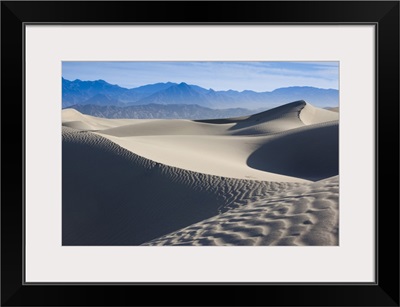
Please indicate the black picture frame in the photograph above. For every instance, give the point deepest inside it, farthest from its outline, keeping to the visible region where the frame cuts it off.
(383, 14)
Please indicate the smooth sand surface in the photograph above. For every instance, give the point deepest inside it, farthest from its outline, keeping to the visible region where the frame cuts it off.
(161, 182)
(231, 148)
(74, 119)
(333, 109)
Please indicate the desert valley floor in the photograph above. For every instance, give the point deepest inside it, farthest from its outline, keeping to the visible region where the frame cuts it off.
(266, 179)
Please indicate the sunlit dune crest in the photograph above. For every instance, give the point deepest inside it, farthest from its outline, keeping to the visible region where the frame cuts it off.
(266, 179)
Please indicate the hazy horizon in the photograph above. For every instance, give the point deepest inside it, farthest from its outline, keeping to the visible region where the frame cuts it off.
(219, 76)
(166, 82)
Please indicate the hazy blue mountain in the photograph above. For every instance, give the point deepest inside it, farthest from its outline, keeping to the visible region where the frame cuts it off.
(153, 88)
(160, 111)
(100, 92)
(176, 94)
(199, 89)
(102, 99)
(78, 91)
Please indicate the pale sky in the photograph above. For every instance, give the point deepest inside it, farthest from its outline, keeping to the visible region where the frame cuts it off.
(256, 76)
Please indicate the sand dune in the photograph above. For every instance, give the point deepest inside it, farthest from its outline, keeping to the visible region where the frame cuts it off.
(333, 109)
(74, 119)
(310, 152)
(114, 197)
(310, 115)
(305, 215)
(290, 116)
(132, 182)
(231, 147)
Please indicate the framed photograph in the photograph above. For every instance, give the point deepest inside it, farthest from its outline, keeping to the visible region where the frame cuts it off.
(236, 146)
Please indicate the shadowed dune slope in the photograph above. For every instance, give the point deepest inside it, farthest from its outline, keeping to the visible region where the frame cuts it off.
(305, 215)
(265, 179)
(288, 143)
(310, 153)
(215, 155)
(290, 116)
(279, 119)
(114, 197)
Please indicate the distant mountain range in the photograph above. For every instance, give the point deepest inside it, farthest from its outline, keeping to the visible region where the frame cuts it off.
(101, 93)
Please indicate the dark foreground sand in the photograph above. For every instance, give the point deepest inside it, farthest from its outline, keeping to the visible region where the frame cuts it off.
(266, 179)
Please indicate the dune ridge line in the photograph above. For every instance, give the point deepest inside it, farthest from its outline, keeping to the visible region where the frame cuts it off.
(266, 179)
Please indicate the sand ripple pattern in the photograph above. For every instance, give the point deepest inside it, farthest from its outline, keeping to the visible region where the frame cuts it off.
(112, 196)
(306, 215)
(119, 195)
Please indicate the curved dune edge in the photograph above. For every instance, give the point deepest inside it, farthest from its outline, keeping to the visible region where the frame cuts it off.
(114, 197)
(310, 152)
(306, 215)
(311, 115)
(244, 148)
(239, 181)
